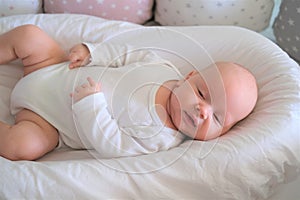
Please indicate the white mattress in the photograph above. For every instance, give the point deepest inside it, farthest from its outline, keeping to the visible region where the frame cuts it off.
(252, 161)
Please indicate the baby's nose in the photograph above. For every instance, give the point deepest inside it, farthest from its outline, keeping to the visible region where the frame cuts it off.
(203, 111)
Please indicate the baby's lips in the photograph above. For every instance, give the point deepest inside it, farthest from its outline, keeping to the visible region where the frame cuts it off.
(196, 120)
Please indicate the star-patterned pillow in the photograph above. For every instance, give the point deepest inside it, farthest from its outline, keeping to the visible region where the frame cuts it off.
(287, 28)
(252, 14)
(136, 11)
(17, 7)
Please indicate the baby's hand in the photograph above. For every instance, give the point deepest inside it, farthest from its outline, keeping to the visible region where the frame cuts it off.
(85, 90)
(79, 55)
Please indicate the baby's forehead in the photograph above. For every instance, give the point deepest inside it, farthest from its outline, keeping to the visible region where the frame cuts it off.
(213, 81)
(210, 74)
(224, 71)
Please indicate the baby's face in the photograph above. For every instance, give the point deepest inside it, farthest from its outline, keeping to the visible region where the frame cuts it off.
(205, 108)
(194, 111)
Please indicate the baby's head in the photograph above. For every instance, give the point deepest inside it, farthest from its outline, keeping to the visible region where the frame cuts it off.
(206, 104)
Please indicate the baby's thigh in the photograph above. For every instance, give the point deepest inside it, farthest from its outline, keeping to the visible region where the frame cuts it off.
(36, 48)
(37, 136)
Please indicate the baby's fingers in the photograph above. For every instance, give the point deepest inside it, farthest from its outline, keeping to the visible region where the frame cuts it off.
(91, 81)
(75, 60)
(94, 84)
(73, 65)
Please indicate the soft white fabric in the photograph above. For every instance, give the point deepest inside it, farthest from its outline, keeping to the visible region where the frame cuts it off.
(120, 122)
(251, 162)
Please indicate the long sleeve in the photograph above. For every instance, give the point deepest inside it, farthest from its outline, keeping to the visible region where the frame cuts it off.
(111, 55)
(98, 130)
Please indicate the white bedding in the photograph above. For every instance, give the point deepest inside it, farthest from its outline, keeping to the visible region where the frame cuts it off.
(252, 161)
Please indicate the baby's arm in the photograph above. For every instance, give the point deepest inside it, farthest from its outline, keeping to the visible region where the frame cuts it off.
(110, 55)
(98, 128)
(114, 55)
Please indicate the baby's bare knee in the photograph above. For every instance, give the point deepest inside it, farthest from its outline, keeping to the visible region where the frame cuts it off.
(15, 43)
(28, 30)
(27, 147)
(25, 34)
(26, 39)
(22, 151)
(29, 139)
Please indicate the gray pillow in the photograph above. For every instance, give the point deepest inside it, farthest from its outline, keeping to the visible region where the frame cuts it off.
(287, 28)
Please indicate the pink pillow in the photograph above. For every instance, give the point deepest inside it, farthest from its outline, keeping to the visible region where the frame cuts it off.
(136, 11)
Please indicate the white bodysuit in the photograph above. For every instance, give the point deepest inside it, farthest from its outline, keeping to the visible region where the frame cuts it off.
(121, 120)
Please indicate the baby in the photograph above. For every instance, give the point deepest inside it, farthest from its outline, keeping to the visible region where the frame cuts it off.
(141, 105)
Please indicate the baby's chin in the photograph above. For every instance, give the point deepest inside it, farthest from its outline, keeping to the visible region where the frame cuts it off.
(190, 132)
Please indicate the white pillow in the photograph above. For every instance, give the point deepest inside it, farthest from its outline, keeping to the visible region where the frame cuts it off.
(251, 14)
(16, 7)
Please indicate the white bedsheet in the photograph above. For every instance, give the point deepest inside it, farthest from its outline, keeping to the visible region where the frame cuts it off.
(250, 162)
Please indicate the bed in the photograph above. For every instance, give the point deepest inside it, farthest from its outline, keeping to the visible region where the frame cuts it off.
(258, 159)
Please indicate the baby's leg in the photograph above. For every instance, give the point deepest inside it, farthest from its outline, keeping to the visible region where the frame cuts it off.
(30, 138)
(32, 45)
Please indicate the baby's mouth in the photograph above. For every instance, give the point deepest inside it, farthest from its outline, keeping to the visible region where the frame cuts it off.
(190, 119)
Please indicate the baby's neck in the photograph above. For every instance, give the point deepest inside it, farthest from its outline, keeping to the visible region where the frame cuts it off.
(162, 99)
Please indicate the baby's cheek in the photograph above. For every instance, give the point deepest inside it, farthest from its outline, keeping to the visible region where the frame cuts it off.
(213, 131)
